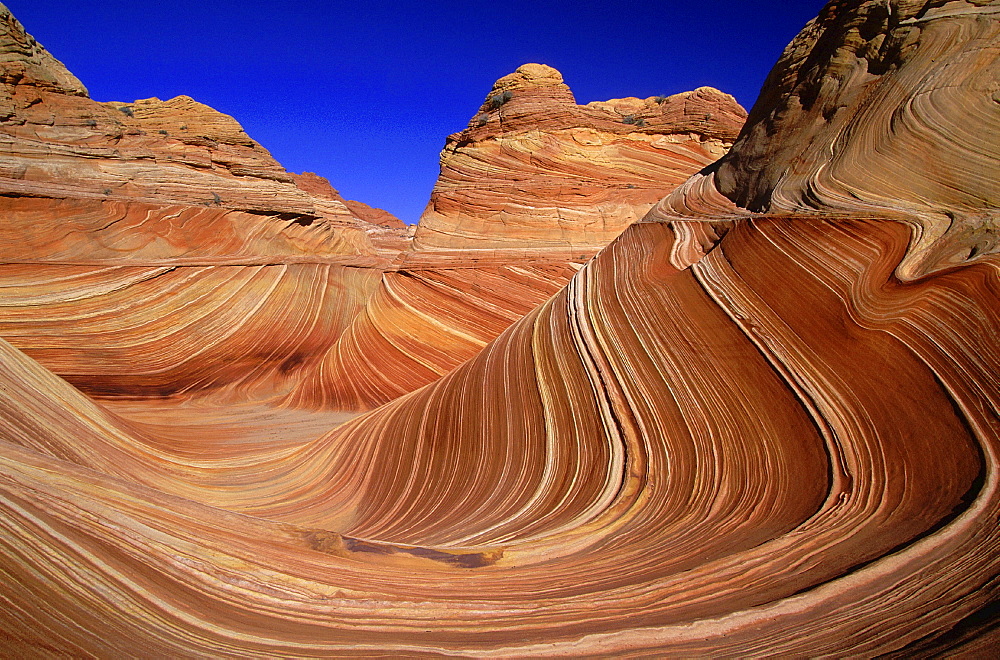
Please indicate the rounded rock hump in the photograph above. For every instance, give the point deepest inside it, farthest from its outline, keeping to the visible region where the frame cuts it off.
(531, 75)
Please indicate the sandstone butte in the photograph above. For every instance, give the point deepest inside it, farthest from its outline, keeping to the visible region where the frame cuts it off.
(765, 420)
(533, 168)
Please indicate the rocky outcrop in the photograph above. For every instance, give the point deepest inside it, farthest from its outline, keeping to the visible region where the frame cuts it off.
(176, 152)
(387, 233)
(534, 169)
(749, 426)
(23, 61)
(58, 144)
(876, 110)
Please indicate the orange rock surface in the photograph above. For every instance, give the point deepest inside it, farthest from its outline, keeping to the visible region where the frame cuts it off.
(428, 315)
(57, 144)
(535, 169)
(765, 421)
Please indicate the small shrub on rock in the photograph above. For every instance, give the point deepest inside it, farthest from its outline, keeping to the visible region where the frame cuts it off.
(498, 100)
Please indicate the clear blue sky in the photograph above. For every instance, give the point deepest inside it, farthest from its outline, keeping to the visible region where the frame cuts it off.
(364, 93)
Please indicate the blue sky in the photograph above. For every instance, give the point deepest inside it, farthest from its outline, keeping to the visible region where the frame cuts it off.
(365, 93)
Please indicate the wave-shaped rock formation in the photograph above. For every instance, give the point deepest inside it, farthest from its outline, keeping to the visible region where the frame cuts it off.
(764, 421)
(170, 253)
(535, 169)
(886, 110)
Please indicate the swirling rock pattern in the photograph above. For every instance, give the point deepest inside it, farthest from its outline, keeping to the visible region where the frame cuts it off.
(876, 111)
(158, 330)
(738, 431)
(535, 169)
(429, 314)
(633, 496)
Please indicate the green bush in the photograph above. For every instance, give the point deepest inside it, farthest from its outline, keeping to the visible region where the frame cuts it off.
(498, 100)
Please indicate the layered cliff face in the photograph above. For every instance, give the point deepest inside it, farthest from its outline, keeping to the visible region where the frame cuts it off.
(534, 169)
(153, 248)
(747, 427)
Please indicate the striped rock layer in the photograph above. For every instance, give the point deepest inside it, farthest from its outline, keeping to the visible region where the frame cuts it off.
(749, 426)
(623, 494)
(533, 168)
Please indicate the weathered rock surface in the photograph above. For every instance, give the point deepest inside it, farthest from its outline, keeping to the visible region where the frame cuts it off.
(750, 426)
(58, 144)
(534, 169)
(180, 258)
(885, 110)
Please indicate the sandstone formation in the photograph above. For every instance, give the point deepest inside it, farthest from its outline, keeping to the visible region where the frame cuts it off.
(384, 230)
(535, 169)
(153, 248)
(875, 111)
(290, 289)
(765, 421)
(58, 144)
